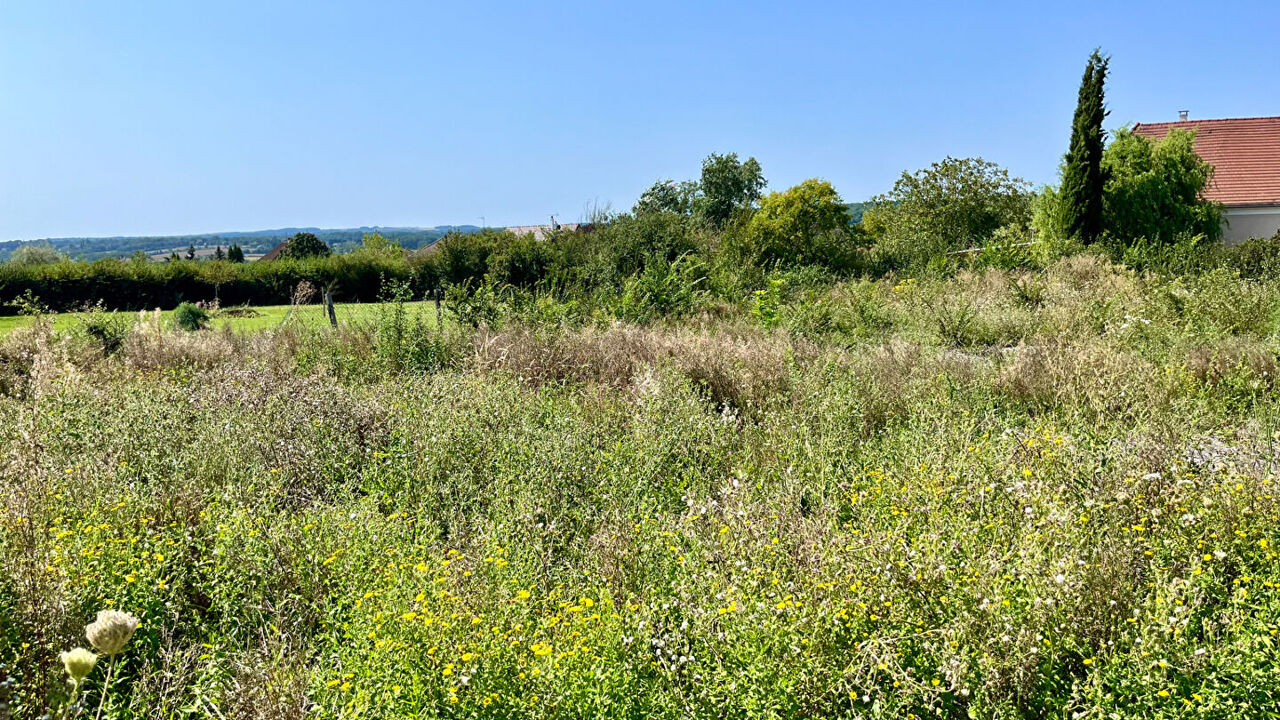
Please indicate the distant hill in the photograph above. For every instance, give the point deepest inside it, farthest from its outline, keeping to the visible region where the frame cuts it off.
(856, 209)
(253, 242)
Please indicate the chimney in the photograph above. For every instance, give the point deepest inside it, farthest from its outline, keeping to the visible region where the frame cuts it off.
(1182, 115)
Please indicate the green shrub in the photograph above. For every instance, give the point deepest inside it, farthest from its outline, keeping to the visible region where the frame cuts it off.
(662, 289)
(107, 328)
(190, 317)
(473, 304)
(1255, 257)
(1184, 255)
(768, 303)
(805, 225)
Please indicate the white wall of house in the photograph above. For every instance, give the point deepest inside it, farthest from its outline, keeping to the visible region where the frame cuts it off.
(1243, 223)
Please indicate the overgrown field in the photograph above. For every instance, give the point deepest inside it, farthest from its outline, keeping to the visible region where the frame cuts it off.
(1006, 494)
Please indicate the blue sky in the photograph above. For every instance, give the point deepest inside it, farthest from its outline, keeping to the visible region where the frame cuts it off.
(175, 117)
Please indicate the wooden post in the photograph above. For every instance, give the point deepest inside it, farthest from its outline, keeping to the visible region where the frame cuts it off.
(328, 305)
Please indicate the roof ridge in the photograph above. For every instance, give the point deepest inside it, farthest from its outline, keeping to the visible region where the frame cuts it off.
(1209, 120)
(1245, 153)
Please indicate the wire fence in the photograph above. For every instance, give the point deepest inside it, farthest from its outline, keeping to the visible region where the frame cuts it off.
(321, 315)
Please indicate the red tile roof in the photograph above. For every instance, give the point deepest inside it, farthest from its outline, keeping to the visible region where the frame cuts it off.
(275, 252)
(1245, 154)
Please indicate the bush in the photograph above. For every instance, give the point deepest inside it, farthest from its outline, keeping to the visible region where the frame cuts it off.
(1255, 257)
(806, 225)
(523, 262)
(1155, 190)
(952, 205)
(190, 317)
(663, 289)
(1183, 255)
(107, 328)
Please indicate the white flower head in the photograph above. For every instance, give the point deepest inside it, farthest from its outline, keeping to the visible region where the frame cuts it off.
(111, 631)
(79, 663)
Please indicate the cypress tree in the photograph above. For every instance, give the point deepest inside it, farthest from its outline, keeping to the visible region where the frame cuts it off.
(1082, 174)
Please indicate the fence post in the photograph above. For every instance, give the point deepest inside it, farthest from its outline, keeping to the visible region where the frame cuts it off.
(328, 306)
(436, 294)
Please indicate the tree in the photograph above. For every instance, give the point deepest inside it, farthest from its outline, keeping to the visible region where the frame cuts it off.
(31, 254)
(218, 254)
(379, 243)
(305, 245)
(218, 273)
(191, 252)
(667, 196)
(727, 186)
(1083, 175)
(1155, 189)
(951, 205)
(808, 224)
(235, 254)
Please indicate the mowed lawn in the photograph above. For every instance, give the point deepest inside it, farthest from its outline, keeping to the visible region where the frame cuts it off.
(261, 318)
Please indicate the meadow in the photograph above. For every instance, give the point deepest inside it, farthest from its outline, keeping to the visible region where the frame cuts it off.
(240, 319)
(986, 494)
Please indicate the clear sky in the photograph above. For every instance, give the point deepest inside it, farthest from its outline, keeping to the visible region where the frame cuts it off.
(174, 117)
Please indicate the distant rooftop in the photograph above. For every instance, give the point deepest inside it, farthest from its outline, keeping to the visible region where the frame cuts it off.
(1245, 154)
(540, 232)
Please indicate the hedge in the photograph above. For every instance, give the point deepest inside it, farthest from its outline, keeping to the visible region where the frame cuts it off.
(137, 285)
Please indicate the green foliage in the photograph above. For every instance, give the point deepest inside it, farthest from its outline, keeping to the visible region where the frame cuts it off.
(805, 225)
(235, 254)
(768, 304)
(1008, 247)
(727, 187)
(190, 317)
(937, 497)
(125, 285)
(1083, 175)
(1183, 254)
(1255, 257)
(305, 245)
(35, 254)
(663, 289)
(465, 256)
(667, 196)
(474, 304)
(632, 242)
(522, 261)
(952, 205)
(409, 341)
(108, 329)
(377, 242)
(1155, 190)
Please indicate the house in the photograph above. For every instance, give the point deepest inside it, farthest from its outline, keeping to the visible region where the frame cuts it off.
(1245, 154)
(540, 232)
(275, 252)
